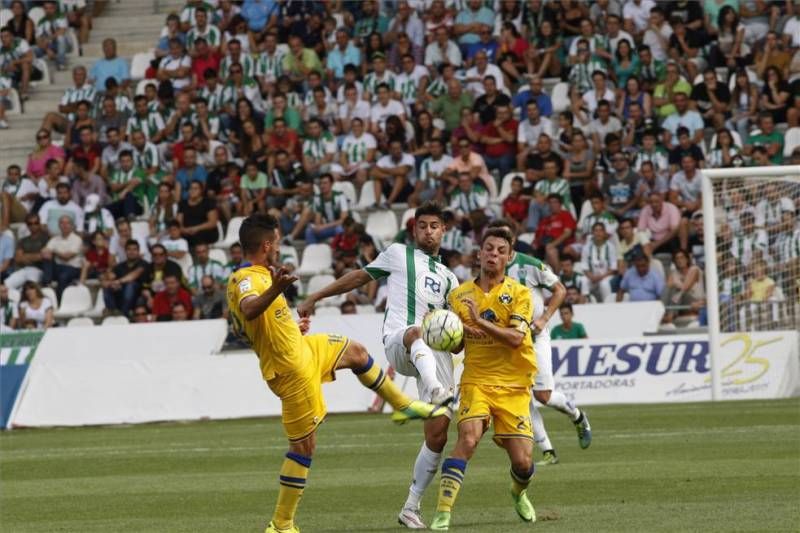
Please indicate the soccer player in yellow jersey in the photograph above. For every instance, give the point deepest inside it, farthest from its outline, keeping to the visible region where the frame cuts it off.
(293, 364)
(499, 369)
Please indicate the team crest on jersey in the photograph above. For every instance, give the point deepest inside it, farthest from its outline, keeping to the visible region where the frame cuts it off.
(431, 287)
(489, 315)
(505, 298)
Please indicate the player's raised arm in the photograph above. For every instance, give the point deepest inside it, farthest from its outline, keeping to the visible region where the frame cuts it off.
(511, 335)
(253, 306)
(348, 282)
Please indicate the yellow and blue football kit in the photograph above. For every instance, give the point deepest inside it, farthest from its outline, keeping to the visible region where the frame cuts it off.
(496, 381)
(293, 365)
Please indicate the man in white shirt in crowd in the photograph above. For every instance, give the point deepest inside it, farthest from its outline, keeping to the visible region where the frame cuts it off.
(61, 257)
(393, 176)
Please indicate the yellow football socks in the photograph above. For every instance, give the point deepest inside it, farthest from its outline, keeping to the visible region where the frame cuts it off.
(452, 477)
(294, 472)
(372, 377)
(520, 483)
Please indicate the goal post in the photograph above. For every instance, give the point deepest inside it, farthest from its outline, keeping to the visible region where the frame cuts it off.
(735, 248)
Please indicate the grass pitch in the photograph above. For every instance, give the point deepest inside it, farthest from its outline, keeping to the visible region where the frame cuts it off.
(679, 467)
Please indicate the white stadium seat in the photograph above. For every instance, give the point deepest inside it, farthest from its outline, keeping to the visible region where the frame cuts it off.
(330, 311)
(185, 263)
(42, 65)
(75, 300)
(80, 322)
(289, 255)
(527, 238)
(382, 224)
(140, 63)
(365, 309)
(36, 14)
(140, 87)
(232, 235)
(317, 259)
(367, 198)
(50, 294)
(16, 104)
(99, 306)
(218, 254)
(505, 185)
(349, 191)
(5, 15)
(115, 321)
(408, 214)
(319, 281)
(140, 230)
(560, 97)
(791, 140)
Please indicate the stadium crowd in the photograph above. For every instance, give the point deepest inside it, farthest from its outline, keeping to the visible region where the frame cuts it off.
(587, 124)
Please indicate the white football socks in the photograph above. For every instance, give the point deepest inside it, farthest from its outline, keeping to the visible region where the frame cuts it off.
(425, 362)
(425, 468)
(539, 432)
(559, 402)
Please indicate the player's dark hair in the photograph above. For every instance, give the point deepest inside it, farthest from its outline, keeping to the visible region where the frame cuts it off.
(500, 233)
(566, 305)
(254, 231)
(430, 209)
(501, 223)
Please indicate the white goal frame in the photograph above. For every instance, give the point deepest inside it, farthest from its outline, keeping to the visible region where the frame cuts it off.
(710, 238)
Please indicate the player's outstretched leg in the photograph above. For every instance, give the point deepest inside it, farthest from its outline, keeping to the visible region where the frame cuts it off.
(424, 361)
(540, 437)
(293, 475)
(373, 377)
(425, 468)
(559, 402)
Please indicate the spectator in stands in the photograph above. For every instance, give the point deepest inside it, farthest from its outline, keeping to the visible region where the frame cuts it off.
(140, 315)
(161, 266)
(128, 188)
(236, 258)
(86, 148)
(210, 302)
(468, 197)
(198, 216)
(550, 183)
(631, 237)
(176, 67)
(17, 61)
(80, 91)
(51, 35)
(109, 158)
(684, 287)
(393, 175)
(205, 266)
(555, 231)
(27, 256)
(599, 256)
(300, 61)
(685, 192)
(600, 214)
(190, 172)
(34, 307)
(682, 116)
(685, 146)
(173, 293)
(662, 220)
(45, 151)
(172, 30)
(98, 259)
(576, 283)
(96, 218)
(319, 149)
(530, 132)
(330, 210)
(769, 138)
(516, 204)
(467, 160)
(121, 284)
(203, 33)
(9, 311)
(568, 329)
(52, 210)
(176, 246)
(253, 186)
(111, 66)
(449, 106)
(6, 253)
(499, 140)
(21, 25)
(641, 282)
(122, 236)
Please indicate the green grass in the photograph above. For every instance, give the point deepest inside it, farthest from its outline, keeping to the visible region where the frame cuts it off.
(679, 467)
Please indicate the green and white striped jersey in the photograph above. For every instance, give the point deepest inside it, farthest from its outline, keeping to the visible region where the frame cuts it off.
(19, 47)
(407, 84)
(658, 157)
(247, 62)
(466, 202)
(599, 258)
(270, 66)
(744, 246)
(188, 13)
(330, 208)
(431, 169)
(437, 87)
(213, 268)
(417, 283)
(147, 157)
(318, 148)
(122, 177)
(607, 219)
(535, 275)
(558, 186)
(372, 80)
(212, 35)
(215, 97)
(47, 27)
(73, 95)
(308, 99)
(787, 246)
(123, 104)
(356, 148)
(150, 125)
(454, 239)
(249, 89)
(294, 100)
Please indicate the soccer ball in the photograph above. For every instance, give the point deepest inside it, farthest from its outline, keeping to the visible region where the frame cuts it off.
(442, 330)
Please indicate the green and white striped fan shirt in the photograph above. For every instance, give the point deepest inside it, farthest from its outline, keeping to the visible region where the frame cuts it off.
(607, 219)
(150, 125)
(356, 148)
(466, 202)
(270, 66)
(454, 239)
(247, 62)
(318, 148)
(230, 94)
(330, 208)
(437, 87)
(215, 97)
(212, 35)
(19, 47)
(213, 268)
(417, 283)
(408, 84)
(49, 26)
(558, 186)
(431, 169)
(372, 80)
(123, 104)
(73, 95)
(147, 157)
(599, 258)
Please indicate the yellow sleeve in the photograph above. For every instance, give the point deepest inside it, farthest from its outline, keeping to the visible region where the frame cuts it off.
(521, 309)
(456, 306)
(250, 284)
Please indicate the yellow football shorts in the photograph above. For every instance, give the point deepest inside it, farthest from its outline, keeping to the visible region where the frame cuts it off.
(508, 408)
(303, 406)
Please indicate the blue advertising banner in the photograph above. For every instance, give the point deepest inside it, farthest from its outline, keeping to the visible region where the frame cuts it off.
(16, 353)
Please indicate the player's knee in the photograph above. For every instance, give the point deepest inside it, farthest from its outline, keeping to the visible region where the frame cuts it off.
(522, 465)
(304, 447)
(543, 396)
(411, 335)
(436, 441)
(357, 355)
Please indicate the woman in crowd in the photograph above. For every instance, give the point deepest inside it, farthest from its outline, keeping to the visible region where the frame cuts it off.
(34, 307)
(163, 211)
(198, 216)
(685, 286)
(744, 103)
(44, 151)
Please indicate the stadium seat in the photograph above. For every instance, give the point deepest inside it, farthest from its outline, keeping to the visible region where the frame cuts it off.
(382, 224)
(42, 65)
(348, 189)
(140, 63)
(185, 263)
(140, 87)
(80, 322)
(140, 230)
(5, 15)
(36, 14)
(75, 44)
(50, 294)
(527, 238)
(218, 254)
(115, 321)
(319, 281)
(367, 198)
(16, 104)
(75, 300)
(505, 185)
(99, 306)
(365, 309)
(289, 255)
(330, 311)
(791, 140)
(408, 214)
(560, 97)
(317, 259)
(232, 235)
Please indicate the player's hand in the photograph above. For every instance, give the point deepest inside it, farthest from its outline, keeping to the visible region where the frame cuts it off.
(305, 324)
(282, 278)
(472, 308)
(538, 325)
(473, 331)
(306, 307)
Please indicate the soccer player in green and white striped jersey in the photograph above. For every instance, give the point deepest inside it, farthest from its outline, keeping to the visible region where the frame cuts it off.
(417, 283)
